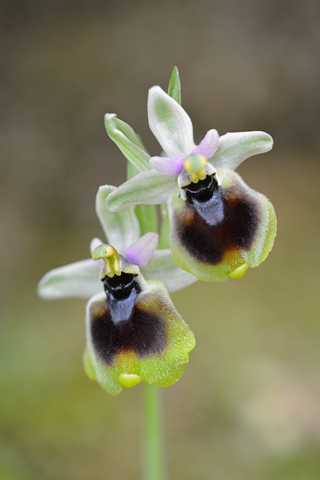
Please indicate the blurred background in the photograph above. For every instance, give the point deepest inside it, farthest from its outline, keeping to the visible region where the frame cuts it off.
(248, 405)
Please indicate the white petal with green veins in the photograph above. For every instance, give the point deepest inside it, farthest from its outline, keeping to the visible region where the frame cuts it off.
(79, 279)
(148, 188)
(169, 123)
(234, 148)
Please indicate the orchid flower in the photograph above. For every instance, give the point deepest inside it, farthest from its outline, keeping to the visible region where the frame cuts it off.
(133, 331)
(218, 225)
(81, 279)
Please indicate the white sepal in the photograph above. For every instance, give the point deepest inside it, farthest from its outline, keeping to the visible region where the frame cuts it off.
(147, 188)
(170, 123)
(121, 228)
(80, 279)
(234, 148)
(162, 267)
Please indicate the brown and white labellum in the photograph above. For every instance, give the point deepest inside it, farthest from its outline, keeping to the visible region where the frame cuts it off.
(134, 331)
(219, 225)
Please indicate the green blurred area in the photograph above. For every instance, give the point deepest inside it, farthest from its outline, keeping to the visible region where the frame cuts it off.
(248, 405)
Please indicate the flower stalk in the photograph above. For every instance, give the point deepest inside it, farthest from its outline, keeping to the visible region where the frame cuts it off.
(154, 455)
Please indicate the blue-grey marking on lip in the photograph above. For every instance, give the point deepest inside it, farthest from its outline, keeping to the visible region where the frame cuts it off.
(212, 224)
(123, 324)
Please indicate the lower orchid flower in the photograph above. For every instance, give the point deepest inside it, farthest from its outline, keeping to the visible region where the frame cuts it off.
(134, 332)
(218, 225)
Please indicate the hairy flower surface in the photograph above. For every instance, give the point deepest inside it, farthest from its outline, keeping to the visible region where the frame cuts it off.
(218, 225)
(133, 331)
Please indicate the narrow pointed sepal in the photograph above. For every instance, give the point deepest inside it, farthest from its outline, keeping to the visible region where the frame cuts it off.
(174, 89)
(120, 228)
(152, 344)
(215, 235)
(127, 141)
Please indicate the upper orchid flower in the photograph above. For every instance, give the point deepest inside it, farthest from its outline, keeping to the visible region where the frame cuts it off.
(218, 225)
(133, 331)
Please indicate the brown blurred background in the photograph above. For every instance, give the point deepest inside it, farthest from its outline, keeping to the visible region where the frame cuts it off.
(248, 406)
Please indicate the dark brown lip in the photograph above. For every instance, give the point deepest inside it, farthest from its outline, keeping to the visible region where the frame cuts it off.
(227, 221)
(143, 333)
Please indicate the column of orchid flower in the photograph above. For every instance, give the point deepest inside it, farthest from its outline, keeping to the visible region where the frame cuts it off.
(213, 227)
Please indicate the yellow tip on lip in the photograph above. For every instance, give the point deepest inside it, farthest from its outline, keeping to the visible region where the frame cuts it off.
(129, 380)
(239, 272)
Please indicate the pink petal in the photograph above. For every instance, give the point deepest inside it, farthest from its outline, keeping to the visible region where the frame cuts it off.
(167, 165)
(208, 145)
(142, 250)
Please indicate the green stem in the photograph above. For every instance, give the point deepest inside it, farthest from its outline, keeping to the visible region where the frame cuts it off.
(146, 214)
(154, 465)
(147, 217)
(165, 228)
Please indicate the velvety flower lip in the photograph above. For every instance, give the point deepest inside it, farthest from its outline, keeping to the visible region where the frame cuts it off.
(133, 330)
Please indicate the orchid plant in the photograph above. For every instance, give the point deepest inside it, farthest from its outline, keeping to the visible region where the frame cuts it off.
(213, 226)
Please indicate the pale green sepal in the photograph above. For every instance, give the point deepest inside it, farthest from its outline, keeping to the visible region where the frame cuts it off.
(148, 188)
(121, 228)
(174, 89)
(79, 279)
(162, 267)
(169, 123)
(234, 148)
(128, 141)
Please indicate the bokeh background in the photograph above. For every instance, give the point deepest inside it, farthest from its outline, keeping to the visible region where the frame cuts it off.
(248, 405)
